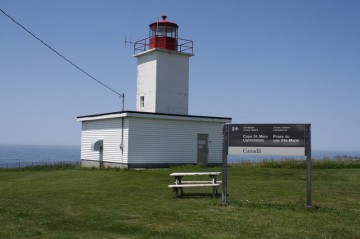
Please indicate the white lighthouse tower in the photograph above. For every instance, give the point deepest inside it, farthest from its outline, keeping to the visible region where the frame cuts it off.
(163, 70)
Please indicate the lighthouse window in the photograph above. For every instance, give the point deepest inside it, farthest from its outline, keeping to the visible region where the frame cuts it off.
(171, 32)
(142, 101)
(152, 31)
(161, 31)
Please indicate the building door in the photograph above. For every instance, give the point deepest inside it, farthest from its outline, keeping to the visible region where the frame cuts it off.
(202, 149)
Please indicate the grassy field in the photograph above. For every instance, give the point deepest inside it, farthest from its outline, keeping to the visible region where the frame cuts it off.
(264, 202)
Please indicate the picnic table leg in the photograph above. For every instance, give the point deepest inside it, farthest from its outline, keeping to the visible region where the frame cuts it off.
(179, 194)
(178, 182)
(215, 189)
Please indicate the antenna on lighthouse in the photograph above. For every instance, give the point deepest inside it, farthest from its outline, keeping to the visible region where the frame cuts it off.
(130, 43)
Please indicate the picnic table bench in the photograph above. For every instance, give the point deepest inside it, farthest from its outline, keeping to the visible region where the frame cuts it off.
(180, 184)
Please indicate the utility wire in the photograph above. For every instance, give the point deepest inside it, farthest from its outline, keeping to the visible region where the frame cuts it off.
(56, 52)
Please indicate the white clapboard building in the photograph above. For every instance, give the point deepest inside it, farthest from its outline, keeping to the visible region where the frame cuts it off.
(160, 132)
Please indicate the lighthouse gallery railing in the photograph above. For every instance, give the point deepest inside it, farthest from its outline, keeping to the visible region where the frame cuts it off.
(183, 45)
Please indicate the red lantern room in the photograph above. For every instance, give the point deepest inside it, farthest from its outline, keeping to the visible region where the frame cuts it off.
(163, 34)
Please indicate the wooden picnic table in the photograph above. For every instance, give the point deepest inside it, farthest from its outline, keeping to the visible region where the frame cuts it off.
(180, 184)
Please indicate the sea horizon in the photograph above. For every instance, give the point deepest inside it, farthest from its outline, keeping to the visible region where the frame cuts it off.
(19, 153)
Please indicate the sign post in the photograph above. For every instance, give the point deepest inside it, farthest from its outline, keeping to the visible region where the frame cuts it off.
(308, 164)
(224, 164)
(267, 139)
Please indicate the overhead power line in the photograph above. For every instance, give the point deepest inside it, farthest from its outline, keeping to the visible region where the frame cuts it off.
(122, 95)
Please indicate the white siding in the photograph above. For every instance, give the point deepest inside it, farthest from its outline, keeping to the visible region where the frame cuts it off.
(126, 141)
(110, 130)
(171, 141)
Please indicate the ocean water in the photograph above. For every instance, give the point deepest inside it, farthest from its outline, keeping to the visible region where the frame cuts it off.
(25, 154)
(38, 154)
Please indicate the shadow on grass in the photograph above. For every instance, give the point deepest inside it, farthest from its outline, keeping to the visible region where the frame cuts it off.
(197, 195)
(300, 205)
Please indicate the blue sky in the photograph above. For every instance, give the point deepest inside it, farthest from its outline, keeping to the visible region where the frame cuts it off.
(256, 61)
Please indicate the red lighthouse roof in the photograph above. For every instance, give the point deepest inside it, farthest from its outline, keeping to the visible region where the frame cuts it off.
(164, 22)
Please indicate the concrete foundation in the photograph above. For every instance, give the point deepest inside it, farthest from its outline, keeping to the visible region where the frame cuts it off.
(101, 164)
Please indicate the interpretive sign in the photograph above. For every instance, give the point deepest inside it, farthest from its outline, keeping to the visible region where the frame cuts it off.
(266, 139)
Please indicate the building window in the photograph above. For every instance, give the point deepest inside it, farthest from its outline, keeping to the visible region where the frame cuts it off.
(142, 101)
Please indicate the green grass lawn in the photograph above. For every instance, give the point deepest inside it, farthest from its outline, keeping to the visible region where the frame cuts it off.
(263, 203)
